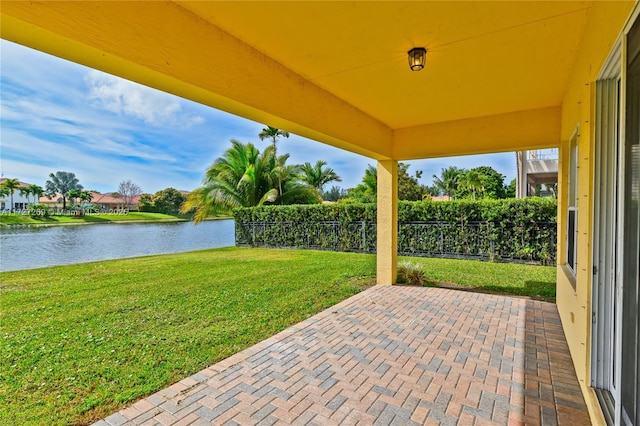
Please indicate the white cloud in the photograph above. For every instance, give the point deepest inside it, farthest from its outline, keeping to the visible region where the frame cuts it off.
(124, 97)
(31, 159)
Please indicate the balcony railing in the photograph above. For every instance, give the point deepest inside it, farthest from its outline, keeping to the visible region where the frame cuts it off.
(542, 154)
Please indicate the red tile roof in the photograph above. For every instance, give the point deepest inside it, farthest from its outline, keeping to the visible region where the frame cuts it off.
(22, 184)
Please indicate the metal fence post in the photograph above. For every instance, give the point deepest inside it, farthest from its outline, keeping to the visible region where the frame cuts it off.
(364, 236)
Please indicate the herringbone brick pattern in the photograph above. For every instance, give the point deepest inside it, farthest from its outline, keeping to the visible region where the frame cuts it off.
(389, 356)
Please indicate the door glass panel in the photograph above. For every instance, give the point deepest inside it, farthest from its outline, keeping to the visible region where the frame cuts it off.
(631, 214)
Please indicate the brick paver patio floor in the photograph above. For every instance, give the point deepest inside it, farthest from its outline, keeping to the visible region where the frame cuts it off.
(389, 356)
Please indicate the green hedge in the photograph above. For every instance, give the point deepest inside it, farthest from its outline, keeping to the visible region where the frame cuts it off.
(521, 211)
(513, 229)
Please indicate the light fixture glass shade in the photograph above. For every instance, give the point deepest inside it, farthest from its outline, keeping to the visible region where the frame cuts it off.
(417, 58)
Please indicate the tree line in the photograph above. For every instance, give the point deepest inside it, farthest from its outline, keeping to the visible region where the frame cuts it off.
(455, 183)
(246, 177)
(67, 187)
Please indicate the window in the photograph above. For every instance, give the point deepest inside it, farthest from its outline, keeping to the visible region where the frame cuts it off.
(572, 204)
(606, 234)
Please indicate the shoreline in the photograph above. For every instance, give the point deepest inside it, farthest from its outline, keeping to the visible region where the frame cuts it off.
(105, 222)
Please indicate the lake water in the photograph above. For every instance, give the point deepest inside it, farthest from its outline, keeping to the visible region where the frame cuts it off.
(37, 247)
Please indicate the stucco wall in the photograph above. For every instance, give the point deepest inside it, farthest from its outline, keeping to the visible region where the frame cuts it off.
(605, 24)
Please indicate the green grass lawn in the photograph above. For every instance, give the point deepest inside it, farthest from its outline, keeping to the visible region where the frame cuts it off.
(18, 219)
(506, 278)
(82, 341)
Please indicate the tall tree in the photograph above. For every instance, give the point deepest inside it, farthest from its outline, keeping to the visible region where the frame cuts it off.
(36, 191)
(481, 181)
(447, 182)
(128, 190)
(492, 181)
(11, 185)
(244, 177)
(25, 191)
(318, 175)
(273, 134)
(168, 200)
(334, 194)
(4, 191)
(366, 191)
(76, 195)
(408, 187)
(471, 181)
(73, 195)
(85, 196)
(432, 190)
(510, 190)
(61, 183)
(145, 203)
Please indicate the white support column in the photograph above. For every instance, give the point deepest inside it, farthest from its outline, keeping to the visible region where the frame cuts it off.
(387, 245)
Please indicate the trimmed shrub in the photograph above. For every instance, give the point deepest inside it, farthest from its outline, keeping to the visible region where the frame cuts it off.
(511, 229)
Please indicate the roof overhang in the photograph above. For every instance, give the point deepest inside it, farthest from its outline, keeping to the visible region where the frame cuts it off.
(337, 72)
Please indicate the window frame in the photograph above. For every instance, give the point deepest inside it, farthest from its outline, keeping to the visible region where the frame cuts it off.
(571, 231)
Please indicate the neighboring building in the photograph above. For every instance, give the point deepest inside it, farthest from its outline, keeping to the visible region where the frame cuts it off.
(19, 201)
(537, 169)
(440, 198)
(106, 202)
(112, 201)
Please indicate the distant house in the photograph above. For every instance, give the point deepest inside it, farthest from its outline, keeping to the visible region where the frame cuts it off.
(440, 198)
(105, 202)
(19, 201)
(537, 172)
(111, 201)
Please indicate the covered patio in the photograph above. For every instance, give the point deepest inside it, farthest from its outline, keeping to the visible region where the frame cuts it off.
(499, 77)
(389, 356)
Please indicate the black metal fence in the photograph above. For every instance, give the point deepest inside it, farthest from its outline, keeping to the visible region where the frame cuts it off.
(535, 243)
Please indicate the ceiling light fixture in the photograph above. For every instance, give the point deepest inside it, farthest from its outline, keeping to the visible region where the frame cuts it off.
(417, 58)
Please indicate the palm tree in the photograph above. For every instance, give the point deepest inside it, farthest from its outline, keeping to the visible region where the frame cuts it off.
(318, 175)
(472, 181)
(25, 191)
(73, 195)
(61, 183)
(85, 197)
(11, 185)
(447, 182)
(244, 177)
(36, 191)
(370, 179)
(4, 191)
(272, 133)
(292, 189)
(367, 190)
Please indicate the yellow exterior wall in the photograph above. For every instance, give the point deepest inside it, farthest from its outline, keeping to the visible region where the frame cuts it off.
(605, 24)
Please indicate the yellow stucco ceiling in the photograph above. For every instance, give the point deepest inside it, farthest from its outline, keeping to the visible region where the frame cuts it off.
(483, 58)
(337, 71)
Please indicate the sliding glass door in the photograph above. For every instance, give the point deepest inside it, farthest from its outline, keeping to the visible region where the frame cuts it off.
(630, 382)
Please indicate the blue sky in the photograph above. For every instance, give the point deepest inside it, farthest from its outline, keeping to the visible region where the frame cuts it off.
(57, 115)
